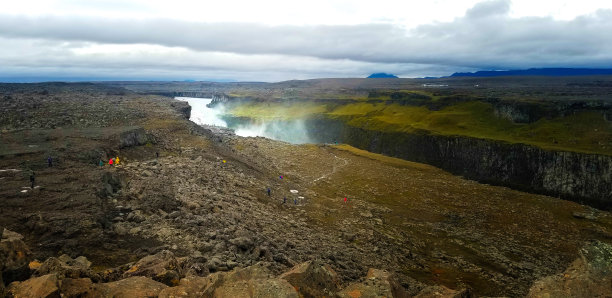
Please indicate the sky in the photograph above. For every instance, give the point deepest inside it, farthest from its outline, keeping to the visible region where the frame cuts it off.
(274, 40)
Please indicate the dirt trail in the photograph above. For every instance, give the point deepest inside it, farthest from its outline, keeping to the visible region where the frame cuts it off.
(334, 168)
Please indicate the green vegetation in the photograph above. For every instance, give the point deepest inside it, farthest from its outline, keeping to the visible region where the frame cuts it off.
(410, 111)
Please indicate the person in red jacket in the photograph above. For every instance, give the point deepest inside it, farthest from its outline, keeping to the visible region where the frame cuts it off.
(110, 162)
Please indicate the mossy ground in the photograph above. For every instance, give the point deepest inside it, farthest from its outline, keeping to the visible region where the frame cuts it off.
(436, 227)
(584, 131)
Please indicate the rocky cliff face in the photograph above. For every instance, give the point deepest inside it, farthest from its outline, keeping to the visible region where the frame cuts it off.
(585, 178)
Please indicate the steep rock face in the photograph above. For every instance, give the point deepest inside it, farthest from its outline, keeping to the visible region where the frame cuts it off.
(134, 137)
(580, 177)
(182, 107)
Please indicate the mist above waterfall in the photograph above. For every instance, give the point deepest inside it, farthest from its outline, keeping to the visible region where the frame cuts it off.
(201, 114)
(293, 131)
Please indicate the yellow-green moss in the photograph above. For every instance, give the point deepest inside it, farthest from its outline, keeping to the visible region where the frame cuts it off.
(585, 132)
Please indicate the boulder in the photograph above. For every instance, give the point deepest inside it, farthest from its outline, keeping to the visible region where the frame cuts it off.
(378, 283)
(134, 137)
(162, 267)
(66, 267)
(14, 257)
(252, 281)
(257, 288)
(313, 279)
(439, 291)
(132, 287)
(191, 286)
(43, 286)
(80, 287)
(588, 276)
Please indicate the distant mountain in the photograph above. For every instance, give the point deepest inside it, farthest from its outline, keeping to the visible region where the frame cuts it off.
(380, 75)
(555, 72)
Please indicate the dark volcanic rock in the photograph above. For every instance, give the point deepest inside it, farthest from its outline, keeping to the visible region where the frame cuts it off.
(313, 279)
(14, 257)
(134, 137)
(66, 267)
(162, 267)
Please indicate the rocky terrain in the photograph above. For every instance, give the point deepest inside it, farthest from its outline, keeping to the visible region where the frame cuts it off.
(187, 213)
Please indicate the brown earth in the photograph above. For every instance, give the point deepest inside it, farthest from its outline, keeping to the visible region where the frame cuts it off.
(205, 200)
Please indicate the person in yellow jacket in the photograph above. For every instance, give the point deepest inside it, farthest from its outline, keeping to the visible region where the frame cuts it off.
(117, 160)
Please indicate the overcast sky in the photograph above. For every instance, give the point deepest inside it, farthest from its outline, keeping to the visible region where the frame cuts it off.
(280, 40)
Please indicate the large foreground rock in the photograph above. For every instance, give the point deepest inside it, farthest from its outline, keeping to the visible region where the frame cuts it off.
(14, 257)
(162, 267)
(43, 286)
(66, 267)
(588, 276)
(378, 283)
(253, 281)
(133, 287)
(439, 291)
(313, 279)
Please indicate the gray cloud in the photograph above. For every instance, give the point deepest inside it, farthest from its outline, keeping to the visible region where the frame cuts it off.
(485, 38)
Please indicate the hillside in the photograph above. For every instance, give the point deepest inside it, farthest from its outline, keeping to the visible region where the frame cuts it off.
(200, 211)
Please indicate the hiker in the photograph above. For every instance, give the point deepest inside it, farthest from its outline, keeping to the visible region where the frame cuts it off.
(156, 154)
(50, 161)
(110, 162)
(284, 200)
(117, 160)
(268, 191)
(295, 201)
(101, 163)
(345, 199)
(32, 179)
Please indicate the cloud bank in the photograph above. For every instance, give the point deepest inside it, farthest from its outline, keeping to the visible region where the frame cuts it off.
(486, 37)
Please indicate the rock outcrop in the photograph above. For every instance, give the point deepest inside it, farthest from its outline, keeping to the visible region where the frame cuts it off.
(378, 283)
(588, 276)
(162, 267)
(45, 286)
(313, 279)
(580, 177)
(14, 257)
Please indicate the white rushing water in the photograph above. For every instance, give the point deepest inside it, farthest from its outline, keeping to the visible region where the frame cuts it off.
(201, 114)
(289, 131)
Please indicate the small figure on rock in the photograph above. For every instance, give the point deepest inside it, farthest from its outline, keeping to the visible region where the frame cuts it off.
(50, 161)
(345, 199)
(295, 201)
(268, 191)
(284, 200)
(32, 179)
(117, 160)
(157, 154)
(110, 161)
(101, 163)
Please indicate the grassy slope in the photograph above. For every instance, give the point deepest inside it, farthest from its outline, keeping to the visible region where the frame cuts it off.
(585, 132)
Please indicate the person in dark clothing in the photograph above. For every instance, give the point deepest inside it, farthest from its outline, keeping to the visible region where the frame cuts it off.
(284, 200)
(32, 179)
(268, 191)
(50, 161)
(156, 154)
